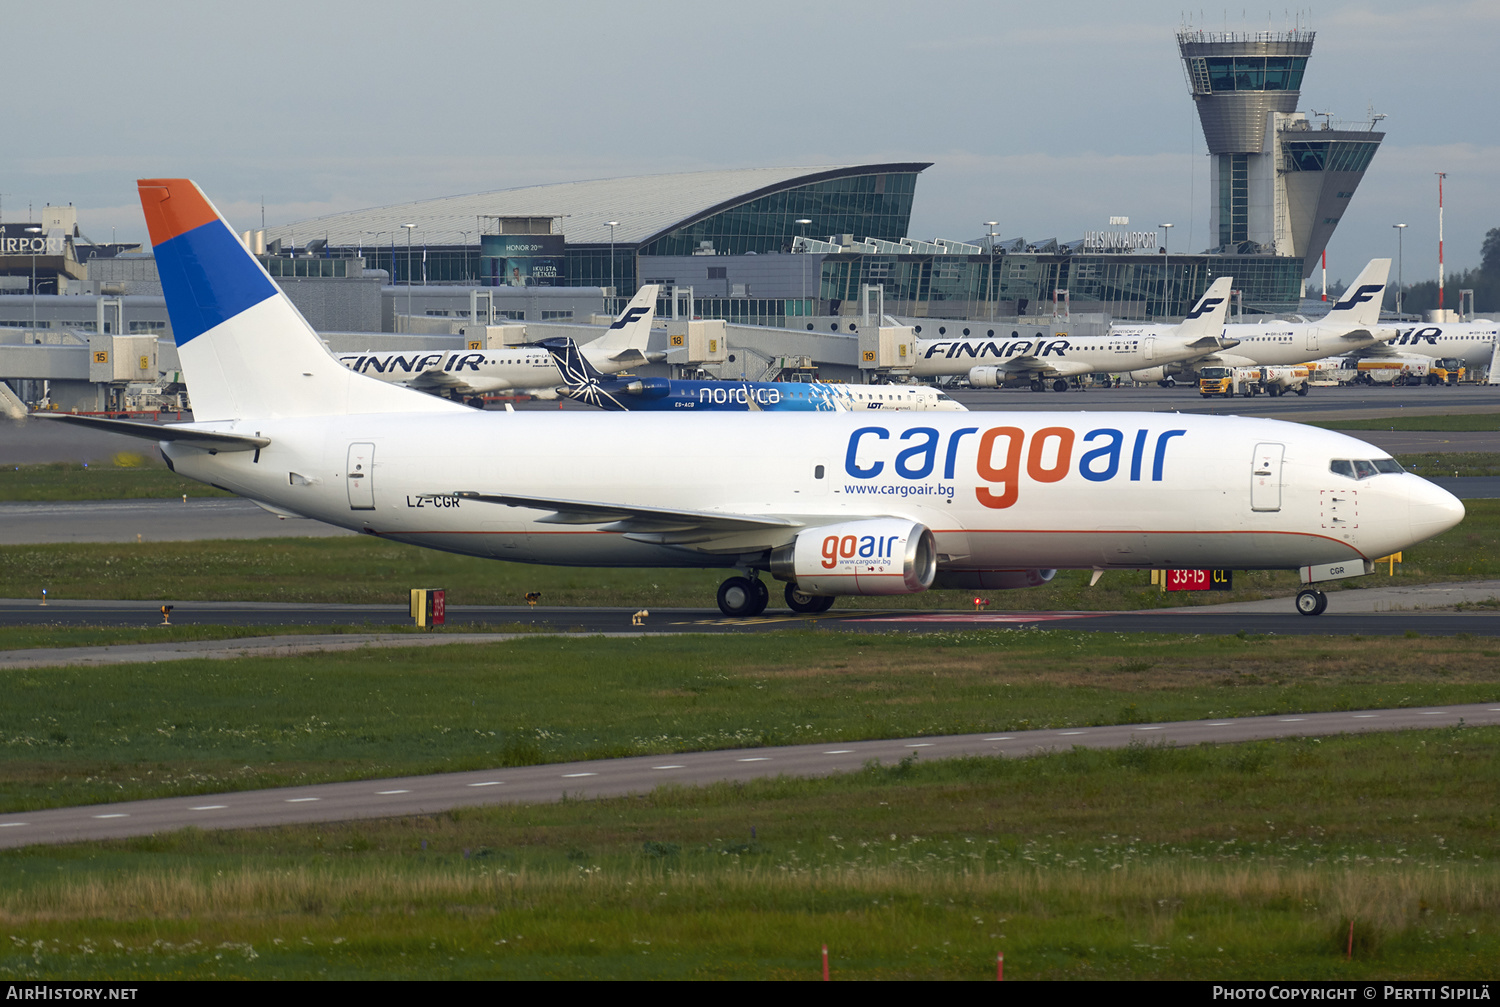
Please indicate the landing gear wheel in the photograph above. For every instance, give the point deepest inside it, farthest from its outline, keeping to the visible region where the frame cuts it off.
(762, 596)
(1037, 386)
(1310, 602)
(1059, 385)
(738, 597)
(1168, 382)
(806, 604)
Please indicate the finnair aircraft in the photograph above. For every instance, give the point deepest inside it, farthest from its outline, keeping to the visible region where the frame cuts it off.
(583, 382)
(1472, 342)
(463, 373)
(1351, 324)
(1037, 361)
(831, 504)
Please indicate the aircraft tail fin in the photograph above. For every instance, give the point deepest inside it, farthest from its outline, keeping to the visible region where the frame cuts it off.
(245, 349)
(1359, 307)
(1210, 313)
(630, 332)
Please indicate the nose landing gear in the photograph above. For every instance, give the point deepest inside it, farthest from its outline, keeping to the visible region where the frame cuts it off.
(1311, 602)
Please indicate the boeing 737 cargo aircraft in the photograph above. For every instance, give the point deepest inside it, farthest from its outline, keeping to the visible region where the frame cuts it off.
(582, 382)
(829, 503)
(1351, 324)
(1037, 361)
(520, 368)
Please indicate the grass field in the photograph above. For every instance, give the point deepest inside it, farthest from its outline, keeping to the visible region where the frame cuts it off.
(365, 570)
(82, 735)
(1232, 862)
(130, 476)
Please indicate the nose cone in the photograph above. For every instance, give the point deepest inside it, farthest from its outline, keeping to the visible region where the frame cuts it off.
(1433, 510)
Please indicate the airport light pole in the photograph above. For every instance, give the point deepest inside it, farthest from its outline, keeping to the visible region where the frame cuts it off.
(1166, 262)
(409, 229)
(991, 225)
(804, 223)
(612, 224)
(33, 230)
(1400, 287)
(465, 235)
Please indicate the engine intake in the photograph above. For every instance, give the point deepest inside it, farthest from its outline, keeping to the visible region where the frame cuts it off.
(878, 556)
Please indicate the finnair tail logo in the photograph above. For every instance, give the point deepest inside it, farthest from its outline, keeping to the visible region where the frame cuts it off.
(1209, 303)
(631, 315)
(1366, 292)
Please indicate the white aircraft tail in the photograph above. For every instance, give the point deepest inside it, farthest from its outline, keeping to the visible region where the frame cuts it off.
(625, 341)
(1209, 314)
(1359, 308)
(246, 351)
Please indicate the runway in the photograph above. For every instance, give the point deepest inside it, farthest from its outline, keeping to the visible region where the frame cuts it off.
(426, 795)
(1429, 609)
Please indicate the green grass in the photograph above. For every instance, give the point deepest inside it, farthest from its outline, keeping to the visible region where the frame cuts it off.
(1455, 423)
(29, 637)
(1232, 862)
(1452, 463)
(365, 570)
(129, 476)
(81, 735)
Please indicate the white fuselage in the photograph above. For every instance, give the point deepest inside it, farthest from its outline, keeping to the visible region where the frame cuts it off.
(1471, 342)
(1275, 342)
(1047, 355)
(479, 371)
(1104, 490)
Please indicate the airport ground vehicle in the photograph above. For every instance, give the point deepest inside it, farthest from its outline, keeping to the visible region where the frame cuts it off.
(829, 503)
(1248, 381)
(1446, 371)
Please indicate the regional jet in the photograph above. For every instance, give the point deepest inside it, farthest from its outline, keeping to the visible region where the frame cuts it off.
(829, 504)
(992, 363)
(582, 381)
(1351, 324)
(464, 373)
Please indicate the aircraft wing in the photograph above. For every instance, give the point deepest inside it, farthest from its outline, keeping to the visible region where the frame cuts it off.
(439, 381)
(207, 439)
(704, 531)
(1037, 367)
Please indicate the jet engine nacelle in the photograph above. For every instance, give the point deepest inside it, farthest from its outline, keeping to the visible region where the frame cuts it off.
(1162, 373)
(986, 377)
(879, 556)
(993, 580)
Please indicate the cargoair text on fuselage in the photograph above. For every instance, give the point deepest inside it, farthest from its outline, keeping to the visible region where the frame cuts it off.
(991, 363)
(1351, 324)
(519, 368)
(830, 504)
(582, 381)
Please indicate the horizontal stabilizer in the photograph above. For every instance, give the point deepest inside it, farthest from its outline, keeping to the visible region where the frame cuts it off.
(177, 434)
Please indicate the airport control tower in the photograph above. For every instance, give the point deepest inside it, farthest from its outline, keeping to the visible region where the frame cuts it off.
(1279, 183)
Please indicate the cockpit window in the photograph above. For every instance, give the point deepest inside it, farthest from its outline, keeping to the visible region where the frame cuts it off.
(1360, 468)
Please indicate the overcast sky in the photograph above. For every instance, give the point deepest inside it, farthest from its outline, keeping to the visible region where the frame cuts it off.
(1049, 118)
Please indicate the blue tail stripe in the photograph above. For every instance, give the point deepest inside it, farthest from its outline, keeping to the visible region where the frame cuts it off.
(207, 278)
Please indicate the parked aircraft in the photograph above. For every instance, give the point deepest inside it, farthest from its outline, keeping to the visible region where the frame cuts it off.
(583, 382)
(839, 504)
(1019, 360)
(1351, 324)
(462, 373)
(1471, 342)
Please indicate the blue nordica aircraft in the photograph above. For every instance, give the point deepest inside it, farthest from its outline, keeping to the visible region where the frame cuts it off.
(584, 382)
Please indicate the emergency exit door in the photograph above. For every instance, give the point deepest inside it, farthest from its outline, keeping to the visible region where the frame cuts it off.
(359, 474)
(1265, 477)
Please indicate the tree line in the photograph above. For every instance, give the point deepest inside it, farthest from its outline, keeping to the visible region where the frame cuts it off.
(1483, 280)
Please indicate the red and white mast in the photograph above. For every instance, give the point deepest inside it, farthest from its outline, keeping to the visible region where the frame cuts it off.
(1441, 175)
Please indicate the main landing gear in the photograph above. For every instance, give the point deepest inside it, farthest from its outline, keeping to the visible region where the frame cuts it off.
(746, 597)
(1311, 602)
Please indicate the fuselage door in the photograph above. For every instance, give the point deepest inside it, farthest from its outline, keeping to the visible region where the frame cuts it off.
(1265, 477)
(1148, 345)
(360, 475)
